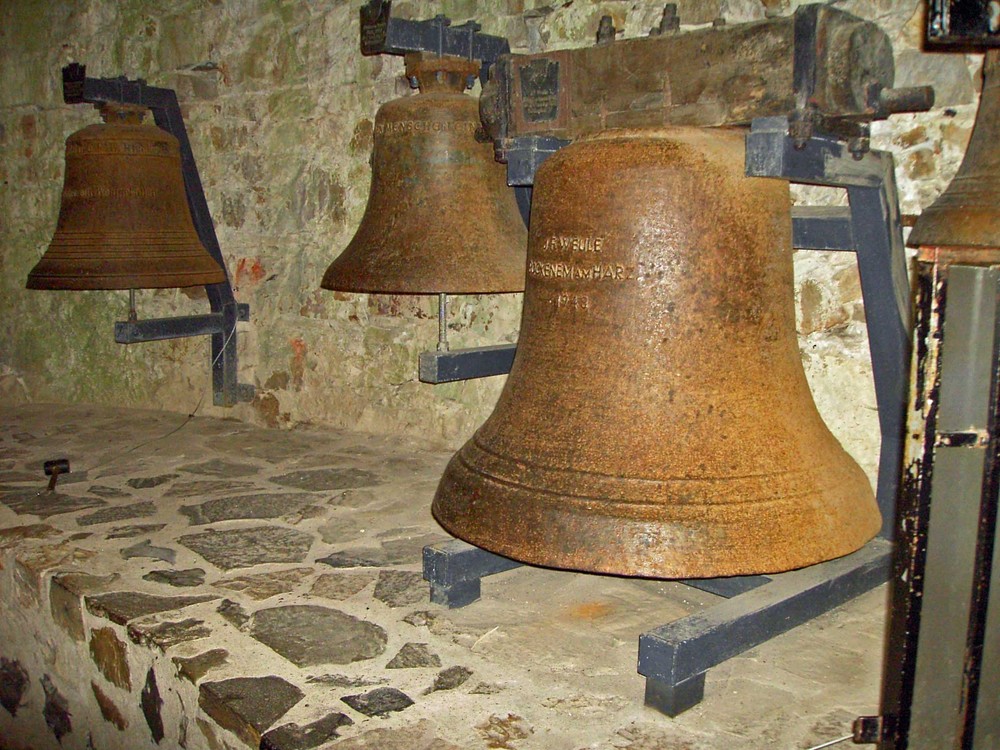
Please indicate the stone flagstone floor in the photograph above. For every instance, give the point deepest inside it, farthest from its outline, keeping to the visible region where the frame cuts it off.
(207, 584)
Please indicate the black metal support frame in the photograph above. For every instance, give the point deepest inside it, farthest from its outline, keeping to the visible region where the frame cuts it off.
(942, 661)
(872, 221)
(675, 657)
(220, 324)
(383, 34)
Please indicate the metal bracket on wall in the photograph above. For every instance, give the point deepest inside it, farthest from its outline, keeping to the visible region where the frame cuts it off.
(220, 324)
(382, 34)
(675, 657)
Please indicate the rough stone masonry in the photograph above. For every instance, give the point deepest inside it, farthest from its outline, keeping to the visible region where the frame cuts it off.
(279, 105)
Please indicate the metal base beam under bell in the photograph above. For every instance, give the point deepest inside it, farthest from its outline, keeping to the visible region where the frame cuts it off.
(675, 657)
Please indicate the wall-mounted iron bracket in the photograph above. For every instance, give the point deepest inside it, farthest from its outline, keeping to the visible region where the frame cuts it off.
(381, 34)
(675, 657)
(220, 324)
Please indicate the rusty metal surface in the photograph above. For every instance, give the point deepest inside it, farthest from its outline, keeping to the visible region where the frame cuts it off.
(967, 213)
(707, 77)
(124, 221)
(440, 217)
(657, 420)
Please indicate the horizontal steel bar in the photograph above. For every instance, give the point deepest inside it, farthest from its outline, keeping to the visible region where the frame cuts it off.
(684, 648)
(822, 228)
(466, 364)
(727, 587)
(455, 561)
(159, 329)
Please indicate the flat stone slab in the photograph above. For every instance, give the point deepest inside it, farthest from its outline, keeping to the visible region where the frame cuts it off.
(127, 532)
(150, 550)
(193, 668)
(65, 599)
(110, 655)
(265, 585)
(13, 684)
(45, 504)
(118, 513)
(104, 491)
(327, 479)
(218, 467)
(122, 606)
(355, 559)
(202, 487)
(295, 737)
(248, 706)
(399, 588)
(145, 483)
(178, 578)
(167, 634)
(263, 505)
(111, 713)
(322, 635)
(15, 534)
(414, 655)
(379, 702)
(56, 710)
(343, 681)
(450, 678)
(233, 613)
(342, 585)
(241, 548)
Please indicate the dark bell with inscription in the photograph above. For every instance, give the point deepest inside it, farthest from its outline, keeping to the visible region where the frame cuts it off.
(440, 216)
(124, 221)
(657, 420)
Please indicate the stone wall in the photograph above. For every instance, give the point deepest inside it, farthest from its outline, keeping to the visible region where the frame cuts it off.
(279, 106)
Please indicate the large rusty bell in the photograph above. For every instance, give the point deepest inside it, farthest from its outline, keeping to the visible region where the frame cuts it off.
(657, 420)
(124, 221)
(967, 213)
(440, 217)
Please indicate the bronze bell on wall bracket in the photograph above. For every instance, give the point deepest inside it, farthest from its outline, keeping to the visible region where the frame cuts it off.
(440, 217)
(124, 220)
(657, 420)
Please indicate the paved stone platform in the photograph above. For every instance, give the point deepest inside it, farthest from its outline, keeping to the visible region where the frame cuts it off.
(205, 584)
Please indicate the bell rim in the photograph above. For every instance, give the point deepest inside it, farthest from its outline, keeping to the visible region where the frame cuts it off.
(543, 528)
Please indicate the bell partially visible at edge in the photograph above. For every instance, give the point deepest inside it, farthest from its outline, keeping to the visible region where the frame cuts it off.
(124, 221)
(440, 217)
(967, 213)
(657, 420)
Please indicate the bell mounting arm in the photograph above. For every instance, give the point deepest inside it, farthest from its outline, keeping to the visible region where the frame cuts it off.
(382, 34)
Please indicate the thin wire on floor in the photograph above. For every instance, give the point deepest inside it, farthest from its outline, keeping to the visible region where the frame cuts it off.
(171, 432)
(831, 743)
